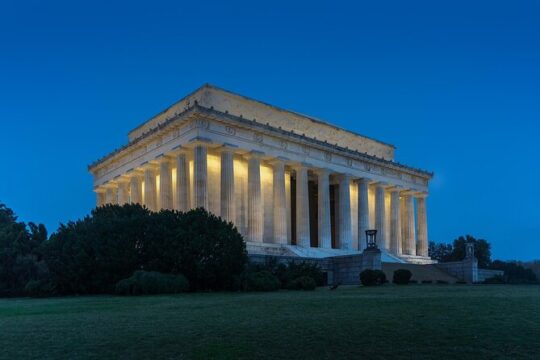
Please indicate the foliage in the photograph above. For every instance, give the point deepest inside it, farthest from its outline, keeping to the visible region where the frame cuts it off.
(442, 282)
(152, 282)
(286, 273)
(39, 288)
(497, 279)
(302, 283)
(456, 251)
(402, 276)
(261, 281)
(20, 253)
(90, 256)
(206, 249)
(515, 272)
(370, 277)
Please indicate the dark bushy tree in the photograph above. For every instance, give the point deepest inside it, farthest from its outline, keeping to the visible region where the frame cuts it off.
(402, 276)
(515, 272)
(20, 253)
(456, 251)
(370, 277)
(152, 282)
(91, 255)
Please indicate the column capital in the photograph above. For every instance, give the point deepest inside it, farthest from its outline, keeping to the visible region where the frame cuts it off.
(301, 165)
(253, 154)
(365, 180)
(161, 158)
(407, 192)
(322, 171)
(396, 189)
(421, 195)
(199, 141)
(111, 184)
(344, 177)
(149, 165)
(226, 147)
(279, 160)
(100, 189)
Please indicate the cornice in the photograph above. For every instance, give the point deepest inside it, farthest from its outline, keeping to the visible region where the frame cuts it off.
(196, 109)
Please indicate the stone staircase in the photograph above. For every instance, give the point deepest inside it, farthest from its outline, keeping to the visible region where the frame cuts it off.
(420, 272)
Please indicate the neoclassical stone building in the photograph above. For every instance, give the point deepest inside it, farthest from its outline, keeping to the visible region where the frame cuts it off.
(293, 185)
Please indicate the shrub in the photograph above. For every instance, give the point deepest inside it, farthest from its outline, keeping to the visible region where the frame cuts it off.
(152, 282)
(442, 282)
(286, 273)
(261, 281)
(427, 281)
(413, 282)
(460, 282)
(302, 283)
(402, 276)
(39, 288)
(497, 279)
(370, 277)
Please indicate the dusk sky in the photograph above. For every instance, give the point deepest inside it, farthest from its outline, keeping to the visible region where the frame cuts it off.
(455, 86)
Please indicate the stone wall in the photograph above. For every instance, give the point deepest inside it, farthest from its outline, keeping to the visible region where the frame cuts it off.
(339, 269)
(466, 270)
(484, 274)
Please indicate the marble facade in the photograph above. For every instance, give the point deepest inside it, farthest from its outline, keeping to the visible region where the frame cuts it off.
(284, 179)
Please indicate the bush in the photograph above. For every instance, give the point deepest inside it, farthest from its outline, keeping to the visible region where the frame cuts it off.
(497, 279)
(427, 281)
(460, 282)
(370, 277)
(442, 282)
(302, 283)
(261, 281)
(402, 276)
(152, 282)
(413, 282)
(90, 256)
(286, 273)
(39, 288)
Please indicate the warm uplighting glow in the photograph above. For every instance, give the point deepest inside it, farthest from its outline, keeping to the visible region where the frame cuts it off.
(158, 200)
(174, 194)
(142, 192)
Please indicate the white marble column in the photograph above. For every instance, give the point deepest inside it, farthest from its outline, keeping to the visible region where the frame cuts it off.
(135, 189)
(200, 176)
(228, 203)
(345, 235)
(165, 184)
(150, 192)
(363, 212)
(111, 194)
(100, 197)
(395, 222)
(302, 207)
(182, 182)
(380, 216)
(255, 206)
(123, 192)
(421, 232)
(325, 229)
(280, 202)
(409, 241)
(288, 205)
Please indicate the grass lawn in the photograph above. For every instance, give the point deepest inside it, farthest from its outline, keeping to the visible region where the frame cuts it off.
(390, 322)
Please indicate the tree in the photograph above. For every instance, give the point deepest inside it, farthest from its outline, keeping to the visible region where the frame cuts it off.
(91, 255)
(20, 253)
(482, 250)
(456, 251)
(439, 251)
(514, 272)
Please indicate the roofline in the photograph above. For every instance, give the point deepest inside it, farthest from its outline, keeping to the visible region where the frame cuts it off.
(211, 86)
(195, 107)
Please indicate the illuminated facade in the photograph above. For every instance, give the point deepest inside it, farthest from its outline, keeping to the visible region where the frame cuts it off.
(292, 185)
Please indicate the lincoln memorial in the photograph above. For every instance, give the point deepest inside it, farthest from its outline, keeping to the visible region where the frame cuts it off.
(292, 184)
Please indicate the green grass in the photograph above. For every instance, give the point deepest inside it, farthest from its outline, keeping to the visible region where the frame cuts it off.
(390, 322)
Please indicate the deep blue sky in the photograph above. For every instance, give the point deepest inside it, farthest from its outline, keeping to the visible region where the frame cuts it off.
(455, 86)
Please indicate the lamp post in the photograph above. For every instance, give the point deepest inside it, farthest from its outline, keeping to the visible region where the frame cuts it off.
(371, 239)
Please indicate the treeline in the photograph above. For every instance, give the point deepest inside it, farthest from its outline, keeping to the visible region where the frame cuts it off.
(91, 255)
(130, 250)
(515, 272)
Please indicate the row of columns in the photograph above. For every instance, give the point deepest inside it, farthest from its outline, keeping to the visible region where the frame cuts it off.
(403, 237)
